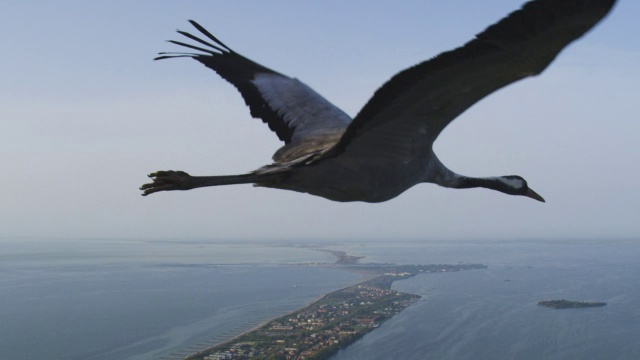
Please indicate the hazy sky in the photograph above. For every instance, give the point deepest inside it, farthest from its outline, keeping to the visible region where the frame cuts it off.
(85, 114)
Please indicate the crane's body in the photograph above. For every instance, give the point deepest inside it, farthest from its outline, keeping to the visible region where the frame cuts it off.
(388, 147)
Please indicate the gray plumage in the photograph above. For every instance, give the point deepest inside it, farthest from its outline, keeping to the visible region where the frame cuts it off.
(387, 147)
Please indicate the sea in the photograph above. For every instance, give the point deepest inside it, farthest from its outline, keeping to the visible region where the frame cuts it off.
(114, 299)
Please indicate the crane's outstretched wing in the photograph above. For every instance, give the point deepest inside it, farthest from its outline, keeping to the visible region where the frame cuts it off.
(302, 118)
(408, 112)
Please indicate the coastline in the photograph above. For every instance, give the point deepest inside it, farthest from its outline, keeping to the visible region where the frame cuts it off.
(341, 258)
(206, 351)
(376, 285)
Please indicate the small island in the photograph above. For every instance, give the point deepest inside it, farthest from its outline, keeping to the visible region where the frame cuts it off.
(332, 322)
(568, 304)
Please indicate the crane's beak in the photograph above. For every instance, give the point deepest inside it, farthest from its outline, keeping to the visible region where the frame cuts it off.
(534, 195)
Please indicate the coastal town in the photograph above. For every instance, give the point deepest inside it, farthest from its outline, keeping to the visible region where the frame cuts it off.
(332, 322)
(319, 330)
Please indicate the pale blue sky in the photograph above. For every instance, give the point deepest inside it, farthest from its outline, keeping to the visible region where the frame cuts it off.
(85, 114)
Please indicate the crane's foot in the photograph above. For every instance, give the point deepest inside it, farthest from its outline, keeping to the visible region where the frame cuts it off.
(166, 181)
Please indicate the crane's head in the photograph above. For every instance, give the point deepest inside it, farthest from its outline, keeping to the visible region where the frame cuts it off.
(515, 185)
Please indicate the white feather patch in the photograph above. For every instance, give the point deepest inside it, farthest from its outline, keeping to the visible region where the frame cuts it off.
(512, 183)
(300, 107)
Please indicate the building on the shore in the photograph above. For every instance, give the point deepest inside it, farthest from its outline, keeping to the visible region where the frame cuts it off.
(220, 356)
(282, 327)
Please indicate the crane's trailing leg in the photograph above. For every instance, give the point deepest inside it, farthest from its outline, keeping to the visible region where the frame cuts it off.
(167, 180)
(180, 180)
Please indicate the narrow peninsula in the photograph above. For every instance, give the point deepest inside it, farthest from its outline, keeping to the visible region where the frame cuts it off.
(332, 322)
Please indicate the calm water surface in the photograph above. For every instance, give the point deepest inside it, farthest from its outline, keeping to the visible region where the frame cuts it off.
(139, 300)
(492, 313)
(104, 300)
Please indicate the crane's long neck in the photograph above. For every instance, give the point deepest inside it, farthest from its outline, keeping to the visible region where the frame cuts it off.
(457, 181)
(493, 183)
(509, 184)
(441, 175)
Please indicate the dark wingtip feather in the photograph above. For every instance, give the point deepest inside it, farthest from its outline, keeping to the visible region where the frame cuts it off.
(195, 38)
(209, 35)
(193, 47)
(174, 55)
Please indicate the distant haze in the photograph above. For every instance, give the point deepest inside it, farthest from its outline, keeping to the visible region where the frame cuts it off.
(85, 114)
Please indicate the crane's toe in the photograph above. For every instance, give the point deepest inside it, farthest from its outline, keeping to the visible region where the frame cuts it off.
(166, 181)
